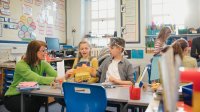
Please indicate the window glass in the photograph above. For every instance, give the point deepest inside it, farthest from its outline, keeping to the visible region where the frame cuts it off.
(168, 11)
(102, 17)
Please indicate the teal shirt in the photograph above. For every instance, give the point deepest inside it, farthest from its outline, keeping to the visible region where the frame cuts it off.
(23, 72)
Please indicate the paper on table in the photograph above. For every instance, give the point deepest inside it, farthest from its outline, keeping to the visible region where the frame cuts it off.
(60, 68)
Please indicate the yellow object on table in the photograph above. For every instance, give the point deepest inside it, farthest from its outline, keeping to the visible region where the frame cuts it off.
(83, 74)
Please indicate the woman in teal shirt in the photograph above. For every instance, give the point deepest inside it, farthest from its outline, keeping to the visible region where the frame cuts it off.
(30, 68)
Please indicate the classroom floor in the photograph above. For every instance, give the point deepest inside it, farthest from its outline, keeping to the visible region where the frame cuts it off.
(55, 107)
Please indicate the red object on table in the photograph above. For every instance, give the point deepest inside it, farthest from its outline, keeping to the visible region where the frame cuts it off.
(192, 75)
(134, 92)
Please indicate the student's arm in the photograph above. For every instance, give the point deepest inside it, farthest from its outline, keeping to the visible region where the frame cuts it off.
(25, 71)
(99, 70)
(70, 73)
(75, 62)
(158, 46)
(94, 63)
(130, 71)
(118, 81)
(95, 66)
(193, 50)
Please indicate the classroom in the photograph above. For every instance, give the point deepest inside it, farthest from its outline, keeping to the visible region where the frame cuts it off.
(99, 55)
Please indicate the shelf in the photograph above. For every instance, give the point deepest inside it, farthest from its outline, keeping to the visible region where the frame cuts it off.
(198, 34)
(149, 40)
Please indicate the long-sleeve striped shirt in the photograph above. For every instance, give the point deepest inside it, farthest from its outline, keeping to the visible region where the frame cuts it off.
(158, 46)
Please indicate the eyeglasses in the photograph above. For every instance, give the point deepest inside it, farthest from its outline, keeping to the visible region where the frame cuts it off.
(44, 51)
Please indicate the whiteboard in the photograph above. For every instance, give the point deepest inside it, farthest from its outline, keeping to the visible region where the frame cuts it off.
(25, 20)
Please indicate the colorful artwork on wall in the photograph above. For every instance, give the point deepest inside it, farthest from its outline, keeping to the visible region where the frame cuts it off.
(26, 28)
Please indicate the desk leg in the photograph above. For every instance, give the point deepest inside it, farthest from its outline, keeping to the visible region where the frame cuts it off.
(22, 102)
(46, 105)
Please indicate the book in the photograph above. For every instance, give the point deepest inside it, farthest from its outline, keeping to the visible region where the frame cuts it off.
(28, 86)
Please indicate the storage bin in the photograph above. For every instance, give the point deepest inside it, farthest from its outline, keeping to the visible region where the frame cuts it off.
(187, 94)
(182, 31)
(9, 73)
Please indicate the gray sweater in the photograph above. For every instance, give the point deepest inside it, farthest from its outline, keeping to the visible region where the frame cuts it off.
(124, 66)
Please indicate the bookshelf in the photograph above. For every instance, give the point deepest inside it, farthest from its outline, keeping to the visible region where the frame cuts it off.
(149, 40)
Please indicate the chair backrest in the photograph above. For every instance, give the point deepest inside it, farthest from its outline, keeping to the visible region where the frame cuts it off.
(84, 97)
(155, 73)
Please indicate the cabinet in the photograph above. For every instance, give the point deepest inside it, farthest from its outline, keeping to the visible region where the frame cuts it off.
(150, 39)
(6, 76)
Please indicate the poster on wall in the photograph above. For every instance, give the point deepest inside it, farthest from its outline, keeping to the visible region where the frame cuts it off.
(6, 5)
(130, 28)
(2, 19)
(29, 1)
(137, 54)
(59, 22)
(5, 12)
(38, 2)
(6, 1)
(26, 20)
(27, 10)
(26, 27)
(49, 29)
(60, 4)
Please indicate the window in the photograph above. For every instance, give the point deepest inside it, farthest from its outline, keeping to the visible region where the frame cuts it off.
(102, 17)
(168, 11)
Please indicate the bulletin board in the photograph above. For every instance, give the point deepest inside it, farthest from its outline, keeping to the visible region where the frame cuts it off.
(26, 20)
(130, 20)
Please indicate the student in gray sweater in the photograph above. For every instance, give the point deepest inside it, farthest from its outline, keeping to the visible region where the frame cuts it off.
(116, 69)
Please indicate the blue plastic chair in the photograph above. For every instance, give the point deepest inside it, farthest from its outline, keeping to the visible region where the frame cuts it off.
(84, 97)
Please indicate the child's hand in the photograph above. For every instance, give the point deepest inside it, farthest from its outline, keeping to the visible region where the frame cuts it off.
(93, 72)
(69, 73)
(154, 86)
(78, 80)
(59, 79)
